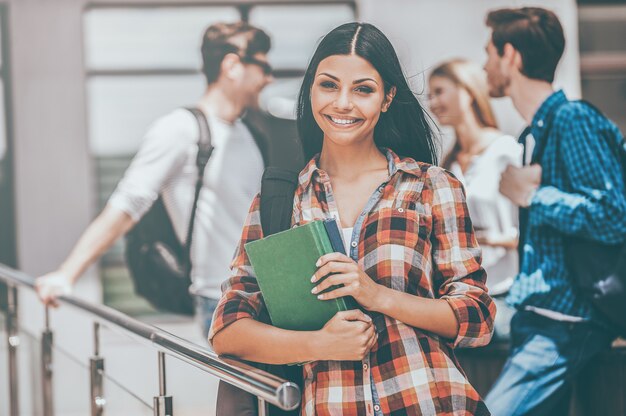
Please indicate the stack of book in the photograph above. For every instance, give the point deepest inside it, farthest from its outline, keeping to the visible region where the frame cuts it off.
(284, 264)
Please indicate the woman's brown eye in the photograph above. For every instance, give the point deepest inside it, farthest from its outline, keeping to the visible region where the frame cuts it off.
(364, 89)
(327, 84)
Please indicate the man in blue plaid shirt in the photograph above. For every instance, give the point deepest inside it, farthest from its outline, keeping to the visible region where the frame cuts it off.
(576, 190)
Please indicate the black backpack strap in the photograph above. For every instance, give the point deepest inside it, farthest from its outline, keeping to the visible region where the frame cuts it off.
(205, 149)
(260, 139)
(278, 187)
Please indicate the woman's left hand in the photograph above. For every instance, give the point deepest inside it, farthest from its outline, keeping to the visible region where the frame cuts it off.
(344, 271)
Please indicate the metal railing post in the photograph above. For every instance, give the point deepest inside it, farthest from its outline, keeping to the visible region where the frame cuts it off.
(163, 405)
(46, 367)
(96, 379)
(13, 341)
(263, 407)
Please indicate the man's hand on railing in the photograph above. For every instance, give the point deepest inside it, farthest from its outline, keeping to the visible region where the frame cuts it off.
(52, 285)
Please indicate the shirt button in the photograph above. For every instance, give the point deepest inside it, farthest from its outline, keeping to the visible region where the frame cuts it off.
(400, 209)
(353, 244)
(540, 123)
(377, 408)
(365, 367)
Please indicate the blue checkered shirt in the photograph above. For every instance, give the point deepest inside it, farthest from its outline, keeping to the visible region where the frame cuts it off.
(582, 194)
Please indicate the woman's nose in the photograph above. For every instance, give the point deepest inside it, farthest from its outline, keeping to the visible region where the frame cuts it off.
(343, 101)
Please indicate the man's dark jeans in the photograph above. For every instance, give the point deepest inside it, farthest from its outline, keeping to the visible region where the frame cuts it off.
(546, 355)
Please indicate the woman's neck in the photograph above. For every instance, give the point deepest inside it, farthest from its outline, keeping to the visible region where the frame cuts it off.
(471, 136)
(350, 161)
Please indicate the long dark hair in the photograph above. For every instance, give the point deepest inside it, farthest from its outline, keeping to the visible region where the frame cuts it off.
(404, 128)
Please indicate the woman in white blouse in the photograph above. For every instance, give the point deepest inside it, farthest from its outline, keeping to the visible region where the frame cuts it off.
(459, 99)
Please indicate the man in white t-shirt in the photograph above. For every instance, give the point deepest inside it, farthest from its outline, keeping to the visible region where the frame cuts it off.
(236, 69)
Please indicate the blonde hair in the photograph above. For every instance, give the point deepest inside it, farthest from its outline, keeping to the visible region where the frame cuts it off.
(471, 77)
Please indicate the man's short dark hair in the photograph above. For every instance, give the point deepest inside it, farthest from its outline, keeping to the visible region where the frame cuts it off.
(220, 39)
(535, 33)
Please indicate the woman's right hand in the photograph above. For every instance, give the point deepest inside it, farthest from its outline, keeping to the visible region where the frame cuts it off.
(348, 336)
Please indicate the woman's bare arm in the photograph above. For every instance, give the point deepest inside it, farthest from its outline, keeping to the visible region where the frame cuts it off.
(432, 315)
(349, 335)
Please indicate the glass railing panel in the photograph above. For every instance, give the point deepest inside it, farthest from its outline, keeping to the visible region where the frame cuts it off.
(130, 362)
(29, 374)
(193, 390)
(72, 374)
(130, 377)
(70, 383)
(200, 400)
(28, 371)
(121, 401)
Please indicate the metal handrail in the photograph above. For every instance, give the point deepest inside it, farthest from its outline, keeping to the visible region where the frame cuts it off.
(274, 390)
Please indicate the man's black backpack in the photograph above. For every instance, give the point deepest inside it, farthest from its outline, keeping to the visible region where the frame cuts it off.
(277, 191)
(599, 270)
(159, 263)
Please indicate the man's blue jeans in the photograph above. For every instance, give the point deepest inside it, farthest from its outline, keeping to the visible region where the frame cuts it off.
(204, 312)
(546, 355)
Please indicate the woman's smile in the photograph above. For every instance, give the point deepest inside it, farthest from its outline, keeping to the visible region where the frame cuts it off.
(343, 122)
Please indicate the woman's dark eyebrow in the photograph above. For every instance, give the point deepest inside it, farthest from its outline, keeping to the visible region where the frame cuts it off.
(329, 76)
(358, 81)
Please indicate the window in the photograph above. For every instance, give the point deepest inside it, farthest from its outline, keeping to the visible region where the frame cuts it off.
(603, 58)
(295, 31)
(141, 63)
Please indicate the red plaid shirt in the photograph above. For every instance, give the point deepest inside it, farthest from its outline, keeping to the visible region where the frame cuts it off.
(415, 236)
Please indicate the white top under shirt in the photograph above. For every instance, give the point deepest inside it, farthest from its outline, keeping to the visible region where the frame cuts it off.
(347, 238)
(490, 211)
(166, 163)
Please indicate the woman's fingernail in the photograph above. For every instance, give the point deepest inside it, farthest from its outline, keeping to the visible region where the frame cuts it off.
(313, 278)
(320, 296)
(318, 263)
(314, 290)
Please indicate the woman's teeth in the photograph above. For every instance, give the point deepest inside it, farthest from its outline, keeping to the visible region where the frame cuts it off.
(342, 120)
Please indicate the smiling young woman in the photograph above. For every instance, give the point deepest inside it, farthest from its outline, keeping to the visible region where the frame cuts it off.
(413, 263)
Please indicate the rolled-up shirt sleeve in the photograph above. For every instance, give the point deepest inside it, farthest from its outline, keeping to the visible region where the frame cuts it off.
(163, 152)
(457, 270)
(241, 295)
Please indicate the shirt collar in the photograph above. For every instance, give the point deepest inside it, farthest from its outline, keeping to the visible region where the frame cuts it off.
(545, 111)
(406, 165)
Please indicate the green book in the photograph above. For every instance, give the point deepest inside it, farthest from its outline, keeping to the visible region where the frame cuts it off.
(284, 264)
